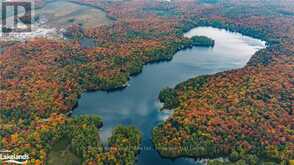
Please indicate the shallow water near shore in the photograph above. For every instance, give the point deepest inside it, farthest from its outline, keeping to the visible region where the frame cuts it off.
(138, 104)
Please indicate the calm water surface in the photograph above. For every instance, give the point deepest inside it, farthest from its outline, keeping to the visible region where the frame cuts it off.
(138, 104)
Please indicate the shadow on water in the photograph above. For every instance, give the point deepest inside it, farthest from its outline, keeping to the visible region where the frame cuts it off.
(138, 104)
(87, 43)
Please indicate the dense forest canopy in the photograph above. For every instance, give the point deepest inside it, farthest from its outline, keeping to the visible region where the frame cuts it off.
(245, 115)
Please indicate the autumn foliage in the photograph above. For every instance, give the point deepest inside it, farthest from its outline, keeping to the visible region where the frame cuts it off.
(245, 114)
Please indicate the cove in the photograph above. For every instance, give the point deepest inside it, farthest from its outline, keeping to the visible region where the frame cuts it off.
(138, 104)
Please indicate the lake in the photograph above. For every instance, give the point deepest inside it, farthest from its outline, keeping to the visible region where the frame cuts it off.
(138, 104)
(1, 50)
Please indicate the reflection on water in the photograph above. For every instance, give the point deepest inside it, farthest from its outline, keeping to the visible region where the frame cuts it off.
(138, 104)
(1, 50)
(87, 42)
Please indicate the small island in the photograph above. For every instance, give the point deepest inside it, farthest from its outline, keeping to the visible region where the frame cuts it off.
(202, 41)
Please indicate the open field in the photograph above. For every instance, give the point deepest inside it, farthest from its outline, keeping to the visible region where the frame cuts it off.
(62, 14)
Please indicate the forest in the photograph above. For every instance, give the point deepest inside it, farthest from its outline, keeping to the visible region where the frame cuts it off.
(244, 115)
(42, 79)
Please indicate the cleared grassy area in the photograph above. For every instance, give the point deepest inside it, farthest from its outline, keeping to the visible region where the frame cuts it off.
(63, 13)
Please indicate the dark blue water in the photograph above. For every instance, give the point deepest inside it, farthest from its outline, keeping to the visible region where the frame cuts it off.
(138, 104)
